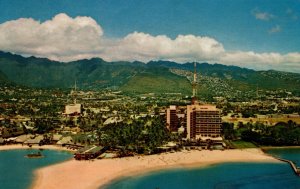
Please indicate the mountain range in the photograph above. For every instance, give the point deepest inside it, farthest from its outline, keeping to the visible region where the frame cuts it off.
(138, 77)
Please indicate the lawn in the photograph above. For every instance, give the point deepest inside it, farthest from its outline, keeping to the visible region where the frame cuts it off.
(243, 144)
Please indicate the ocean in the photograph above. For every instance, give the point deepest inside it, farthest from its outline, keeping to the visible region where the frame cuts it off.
(221, 176)
(17, 171)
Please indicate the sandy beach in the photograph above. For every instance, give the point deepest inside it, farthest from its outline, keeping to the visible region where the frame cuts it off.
(94, 174)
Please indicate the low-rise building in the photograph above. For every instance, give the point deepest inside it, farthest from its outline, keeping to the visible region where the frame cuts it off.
(73, 109)
(89, 152)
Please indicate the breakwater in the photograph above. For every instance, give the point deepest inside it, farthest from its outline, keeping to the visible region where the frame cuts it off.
(292, 164)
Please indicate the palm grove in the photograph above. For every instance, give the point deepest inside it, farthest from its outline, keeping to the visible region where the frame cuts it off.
(281, 134)
(139, 136)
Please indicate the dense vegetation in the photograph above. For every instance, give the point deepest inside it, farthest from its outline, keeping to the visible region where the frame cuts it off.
(139, 136)
(282, 134)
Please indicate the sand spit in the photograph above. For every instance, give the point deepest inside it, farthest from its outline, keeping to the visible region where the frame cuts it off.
(93, 174)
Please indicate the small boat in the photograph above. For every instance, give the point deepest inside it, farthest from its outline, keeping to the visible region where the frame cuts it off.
(35, 155)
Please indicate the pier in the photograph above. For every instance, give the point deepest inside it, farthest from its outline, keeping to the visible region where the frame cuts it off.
(292, 164)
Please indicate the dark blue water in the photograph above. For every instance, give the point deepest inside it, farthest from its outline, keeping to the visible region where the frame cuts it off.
(220, 176)
(16, 171)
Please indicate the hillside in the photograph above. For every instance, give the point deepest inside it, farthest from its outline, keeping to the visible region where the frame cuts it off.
(137, 77)
(242, 79)
(4, 81)
(157, 80)
(3, 77)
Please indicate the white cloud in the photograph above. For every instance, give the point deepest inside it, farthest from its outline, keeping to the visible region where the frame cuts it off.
(56, 38)
(141, 46)
(275, 29)
(64, 38)
(253, 60)
(265, 16)
(264, 61)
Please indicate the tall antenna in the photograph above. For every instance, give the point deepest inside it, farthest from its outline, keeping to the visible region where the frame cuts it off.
(75, 93)
(194, 84)
(257, 91)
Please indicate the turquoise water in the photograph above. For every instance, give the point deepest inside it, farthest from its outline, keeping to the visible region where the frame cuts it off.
(292, 154)
(16, 171)
(220, 176)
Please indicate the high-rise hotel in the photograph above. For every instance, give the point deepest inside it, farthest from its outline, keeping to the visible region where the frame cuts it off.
(203, 122)
(172, 119)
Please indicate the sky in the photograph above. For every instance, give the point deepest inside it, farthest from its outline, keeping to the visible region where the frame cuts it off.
(256, 34)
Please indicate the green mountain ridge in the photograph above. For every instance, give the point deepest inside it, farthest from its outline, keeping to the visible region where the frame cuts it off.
(137, 77)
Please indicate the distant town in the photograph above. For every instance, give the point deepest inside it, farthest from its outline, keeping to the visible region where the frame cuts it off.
(110, 123)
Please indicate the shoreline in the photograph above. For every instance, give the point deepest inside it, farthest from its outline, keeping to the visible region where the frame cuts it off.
(26, 147)
(174, 167)
(277, 147)
(100, 173)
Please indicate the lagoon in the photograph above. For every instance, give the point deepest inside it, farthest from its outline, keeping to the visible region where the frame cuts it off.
(17, 171)
(292, 154)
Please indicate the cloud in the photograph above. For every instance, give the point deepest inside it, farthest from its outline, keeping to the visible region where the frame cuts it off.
(66, 39)
(275, 29)
(59, 37)
(253, 60)
(145, 47)
(264, 16)
(264, 61)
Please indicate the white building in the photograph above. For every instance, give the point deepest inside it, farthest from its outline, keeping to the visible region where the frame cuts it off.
(73, 109)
